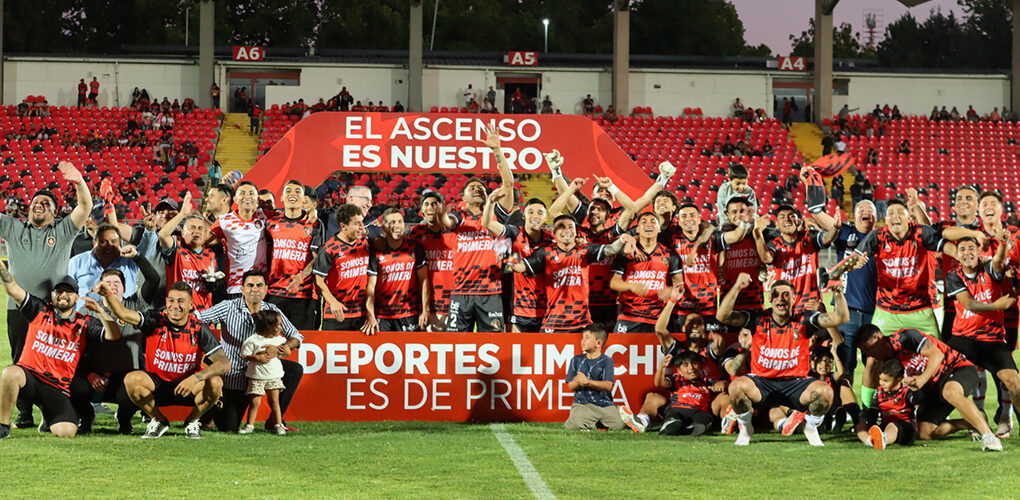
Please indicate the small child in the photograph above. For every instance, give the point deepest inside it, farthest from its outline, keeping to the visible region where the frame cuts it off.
(264, 373)
(827, 367)
(590, 377)
(895, 403)
(694, 400)
(736, 186)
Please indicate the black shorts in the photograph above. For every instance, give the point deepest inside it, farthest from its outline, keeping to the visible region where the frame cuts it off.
(934, 408)
(409, 324)
(992, 356)
(906, 433)
(603, 315)
(687, 416)
(304, 314)
(782, 390)
(56, 406)
(164, 395)
(526, 324)
(627, 326)
(475, 313)
(347, 325)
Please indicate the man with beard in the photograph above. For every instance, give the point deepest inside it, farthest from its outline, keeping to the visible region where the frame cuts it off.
(242, 234)
(780, 348)
(439, 245)
(186, 258)
(341, 272)
(86, 268)
(965, 208)
(794, 252)
(397, 291)
(742, 256)
(38, 251)
(43, 372)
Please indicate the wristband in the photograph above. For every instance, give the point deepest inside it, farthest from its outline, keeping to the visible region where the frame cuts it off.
(613, 189)
(662, 180)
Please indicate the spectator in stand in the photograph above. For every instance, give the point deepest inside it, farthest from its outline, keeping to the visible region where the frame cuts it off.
(844, 116)
(994, 117)
(214, 92)
(487, 106)
(547, 106)
(472, 106)
(896, 113)
(254, 117)
(837, 189)
(738, 108)
(934, 116)
(954, 114)
(827, 143)
(397, 107)
(470, 94)
(877, 112)
(83, 89)
(944, 114)
(610, 114)
(491, 94)
(345, 99)
(358, 107)
(787, 113)
(517, 101)
(904, 148)
(588, 105)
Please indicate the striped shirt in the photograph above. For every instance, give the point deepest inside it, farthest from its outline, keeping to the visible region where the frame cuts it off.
(238, 326)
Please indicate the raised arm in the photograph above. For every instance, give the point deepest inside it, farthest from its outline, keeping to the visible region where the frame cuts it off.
(916, 208)
(662, 322)
(840, 315)
(493, 142)
(726, 315)
(14, 291)
(660, 374)
(999, 259)
(488, 220)
(81, 190)
(758, 233)
(555, 160)
(826, 221)
(832, 230)
(563, 200)
(134, 318)
(166, 233)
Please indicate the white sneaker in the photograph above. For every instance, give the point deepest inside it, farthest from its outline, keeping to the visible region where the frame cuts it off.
(155, 429)
(193, 429)
(990, 443)
(729, 421)
(248, 429)
(811, 433)
(281, 430)
(630, 420)
(744, 437)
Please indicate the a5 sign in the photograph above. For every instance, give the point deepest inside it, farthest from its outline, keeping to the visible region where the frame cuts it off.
(245, 53)
(520, 58)
(792, 64)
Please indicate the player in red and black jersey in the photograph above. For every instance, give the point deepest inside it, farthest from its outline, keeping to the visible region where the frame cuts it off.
(175, 344)
(965, 216)
(565, 266)
(293, 244)
(439, 245)
(398, 290)
(894, 403)
(794, 252)
(645, 284)
(529, 301)
(186, 257)
(742, 256)
(780, 356)
(982, 295)
(341, 272)
(53, 347)
(901, 251)
(694, 399)
(944, 376)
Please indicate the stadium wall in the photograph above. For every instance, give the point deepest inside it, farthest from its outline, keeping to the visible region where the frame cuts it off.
(666, 91)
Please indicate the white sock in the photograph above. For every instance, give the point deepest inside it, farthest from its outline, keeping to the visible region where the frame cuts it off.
(780, 423)
(813, 420)
(744, 418)
(644, 419)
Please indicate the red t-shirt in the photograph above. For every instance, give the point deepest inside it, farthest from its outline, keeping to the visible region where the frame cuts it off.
(656, 273)
(53, 346)
(691, 394)
(781, 350)
(439, 259)
(82, 88)
(908, 343)
(985, 286)
(529, 290)
(701, 277)
(397, 291)
(742, 257)
(476, 266)
(566, 284)
(187, 265)
(292, 243)
(902, 265)
(94, 86)
(894, 406)
(345, 268)
(600, 273)
(797, 263)
(174, 352)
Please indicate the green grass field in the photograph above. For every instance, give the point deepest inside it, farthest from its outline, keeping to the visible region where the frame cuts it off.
(452, 460)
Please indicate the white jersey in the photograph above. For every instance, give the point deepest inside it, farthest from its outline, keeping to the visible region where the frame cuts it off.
(244, 242)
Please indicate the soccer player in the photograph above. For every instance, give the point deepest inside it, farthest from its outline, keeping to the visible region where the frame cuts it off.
(981, 291)
(694, 399)
(529, 302)
(742, 256)
(341, 272)
(780, 347)
(56, 337)
(439, 245)
(861, 284)
(895, 404)
(242, 234)
(293, 246)
(794, 252)
(645, 283)
(565, 266)
(944, 377)
(590, 378)
(175, 344)
(397, 292)
(188, 260)
(965, 210)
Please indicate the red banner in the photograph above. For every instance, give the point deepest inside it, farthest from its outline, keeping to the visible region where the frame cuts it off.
(477, 377)
(394, 143)
(834, 164)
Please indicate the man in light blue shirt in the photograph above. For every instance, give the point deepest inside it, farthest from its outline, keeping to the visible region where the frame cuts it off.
(106, 253)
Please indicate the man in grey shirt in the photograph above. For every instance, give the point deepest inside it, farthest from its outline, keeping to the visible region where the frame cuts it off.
(38, 251)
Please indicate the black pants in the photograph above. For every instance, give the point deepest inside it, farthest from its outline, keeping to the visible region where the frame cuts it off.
(82, 397)
(303, 313)
(235, 402)
(17, 329)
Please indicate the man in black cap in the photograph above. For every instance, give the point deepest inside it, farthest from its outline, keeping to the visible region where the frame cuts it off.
(38, 251)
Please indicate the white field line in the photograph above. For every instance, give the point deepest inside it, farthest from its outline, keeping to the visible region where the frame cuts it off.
(524, 466)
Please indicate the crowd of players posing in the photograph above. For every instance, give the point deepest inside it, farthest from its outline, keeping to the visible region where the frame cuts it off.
(606, 261)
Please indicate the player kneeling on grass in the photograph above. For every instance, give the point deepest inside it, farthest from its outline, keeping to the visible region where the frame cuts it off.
(894, 403)
(780, 346)
(590, 376)
(175, 344)
(945, 378)
(694, 400)
(56, 338)
(265, 372)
